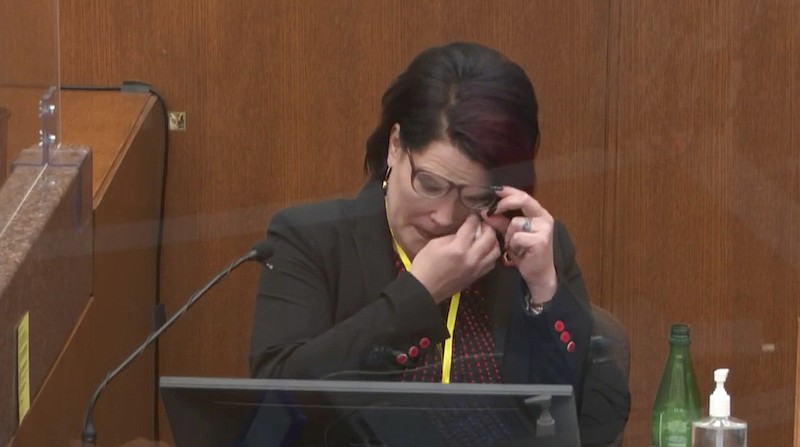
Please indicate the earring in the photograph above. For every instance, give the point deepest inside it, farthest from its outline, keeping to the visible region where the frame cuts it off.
(385, 184)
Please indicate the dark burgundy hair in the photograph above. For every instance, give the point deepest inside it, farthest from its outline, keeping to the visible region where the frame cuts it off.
(471, 96)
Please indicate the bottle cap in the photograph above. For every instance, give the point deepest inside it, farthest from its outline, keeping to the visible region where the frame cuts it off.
(719, 404)
(679, 334)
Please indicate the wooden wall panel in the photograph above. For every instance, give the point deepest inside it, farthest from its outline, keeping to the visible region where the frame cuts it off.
(28, 42)
(28, 67)
(128, 138)
(22, 104)
(705, 201)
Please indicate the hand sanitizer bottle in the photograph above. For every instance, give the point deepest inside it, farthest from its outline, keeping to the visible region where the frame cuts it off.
(719, 429)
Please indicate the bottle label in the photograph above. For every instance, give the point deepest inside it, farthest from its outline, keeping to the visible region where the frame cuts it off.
(672, 428)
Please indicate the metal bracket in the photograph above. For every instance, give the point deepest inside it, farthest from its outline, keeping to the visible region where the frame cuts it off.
(48, 113)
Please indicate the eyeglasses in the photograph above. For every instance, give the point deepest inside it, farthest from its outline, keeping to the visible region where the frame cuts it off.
(433, 186)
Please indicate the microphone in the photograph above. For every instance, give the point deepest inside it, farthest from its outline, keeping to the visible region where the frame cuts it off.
(261, 252)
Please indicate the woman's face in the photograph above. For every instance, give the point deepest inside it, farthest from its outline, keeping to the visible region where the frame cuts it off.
(416, 219)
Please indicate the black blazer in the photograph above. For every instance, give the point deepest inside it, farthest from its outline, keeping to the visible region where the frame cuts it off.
(333, 300)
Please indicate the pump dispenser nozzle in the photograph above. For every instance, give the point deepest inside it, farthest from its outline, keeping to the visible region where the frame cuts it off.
(719, 429)
(719, 404)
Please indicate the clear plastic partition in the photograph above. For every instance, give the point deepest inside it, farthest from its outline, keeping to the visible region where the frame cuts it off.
(29, 80)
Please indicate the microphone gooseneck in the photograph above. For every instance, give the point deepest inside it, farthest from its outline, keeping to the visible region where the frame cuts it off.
(260, 252)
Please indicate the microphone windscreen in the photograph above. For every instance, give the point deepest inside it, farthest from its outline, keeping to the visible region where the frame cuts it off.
(263, 250)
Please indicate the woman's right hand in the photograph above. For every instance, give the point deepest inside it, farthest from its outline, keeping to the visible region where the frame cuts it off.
(451, 263)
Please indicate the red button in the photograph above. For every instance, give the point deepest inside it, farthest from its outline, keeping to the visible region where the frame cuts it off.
(413, 351)
(424, 342)
(401, 359)
(565, 336)
(559, 326)
(571, 346)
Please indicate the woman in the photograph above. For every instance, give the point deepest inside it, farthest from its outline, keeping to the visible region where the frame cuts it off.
(445, 238)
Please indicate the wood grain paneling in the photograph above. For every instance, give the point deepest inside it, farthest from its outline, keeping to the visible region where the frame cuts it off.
(128, 135)
(23, 121)
(705, 199)
(29, 42)
(28, 67)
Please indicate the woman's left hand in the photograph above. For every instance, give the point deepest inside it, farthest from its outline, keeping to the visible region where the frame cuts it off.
(528, 240)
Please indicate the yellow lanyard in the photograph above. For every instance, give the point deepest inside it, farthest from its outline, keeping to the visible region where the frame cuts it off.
(447, 357)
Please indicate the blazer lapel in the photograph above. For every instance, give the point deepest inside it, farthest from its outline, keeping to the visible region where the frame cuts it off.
(373, 240)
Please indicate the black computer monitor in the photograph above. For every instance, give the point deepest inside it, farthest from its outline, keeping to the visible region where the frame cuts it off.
(206, 412)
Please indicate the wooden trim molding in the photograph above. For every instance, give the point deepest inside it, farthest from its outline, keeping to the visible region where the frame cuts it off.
(797, 391)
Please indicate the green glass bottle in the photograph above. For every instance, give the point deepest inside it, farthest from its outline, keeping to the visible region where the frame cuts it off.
(678, 400)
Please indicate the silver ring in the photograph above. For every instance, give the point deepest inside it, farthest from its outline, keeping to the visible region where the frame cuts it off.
(526, 225)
